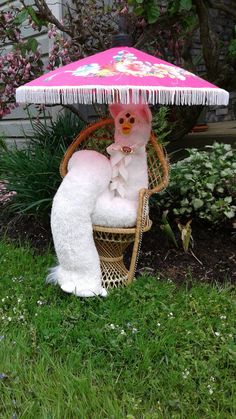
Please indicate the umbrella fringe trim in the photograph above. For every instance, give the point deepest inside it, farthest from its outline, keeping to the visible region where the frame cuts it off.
(125, 95)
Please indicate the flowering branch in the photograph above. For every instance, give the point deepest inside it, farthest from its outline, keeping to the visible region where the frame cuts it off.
(19, 65)
(45, 13)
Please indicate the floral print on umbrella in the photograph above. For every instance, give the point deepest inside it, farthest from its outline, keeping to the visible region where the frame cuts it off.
(126, 63)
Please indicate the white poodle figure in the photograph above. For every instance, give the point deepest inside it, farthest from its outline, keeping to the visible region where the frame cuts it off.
(102, 191)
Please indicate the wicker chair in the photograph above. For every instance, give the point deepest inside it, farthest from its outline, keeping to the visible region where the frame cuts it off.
(112, 242)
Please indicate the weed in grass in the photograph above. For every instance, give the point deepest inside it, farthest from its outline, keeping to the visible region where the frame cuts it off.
(151, 350)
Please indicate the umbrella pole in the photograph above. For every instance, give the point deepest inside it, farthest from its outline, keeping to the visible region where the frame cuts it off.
(122, 38)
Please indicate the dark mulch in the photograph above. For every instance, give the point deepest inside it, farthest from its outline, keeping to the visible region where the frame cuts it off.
(212, 257)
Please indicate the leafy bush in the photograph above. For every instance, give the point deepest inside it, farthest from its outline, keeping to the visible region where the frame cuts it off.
(202, 185)
(160, 124)
(33, 172)
(232, 46)
(2, 142)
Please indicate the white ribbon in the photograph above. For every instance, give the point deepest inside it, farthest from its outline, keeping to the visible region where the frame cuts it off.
(119, 162)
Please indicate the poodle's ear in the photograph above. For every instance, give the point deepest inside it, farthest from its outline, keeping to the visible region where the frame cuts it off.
(115, 109)
(145, 112)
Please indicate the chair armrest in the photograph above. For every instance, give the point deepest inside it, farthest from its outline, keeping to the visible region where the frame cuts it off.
(164, 163)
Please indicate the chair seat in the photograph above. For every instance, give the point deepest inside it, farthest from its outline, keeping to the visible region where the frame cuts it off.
(125, 230)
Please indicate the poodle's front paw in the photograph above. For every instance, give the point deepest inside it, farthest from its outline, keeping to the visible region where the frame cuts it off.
(90, 293)
(68, 287)
(103, 292)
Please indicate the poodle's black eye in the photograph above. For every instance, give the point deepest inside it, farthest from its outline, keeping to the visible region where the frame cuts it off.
(127, 115)
(121, 120)
(132, 120)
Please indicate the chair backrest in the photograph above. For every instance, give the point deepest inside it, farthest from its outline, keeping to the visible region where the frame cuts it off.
(99, 135)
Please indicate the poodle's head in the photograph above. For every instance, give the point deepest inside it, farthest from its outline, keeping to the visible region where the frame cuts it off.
(132, 123)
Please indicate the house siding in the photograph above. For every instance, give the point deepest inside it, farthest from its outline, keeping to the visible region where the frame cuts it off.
(13, 126)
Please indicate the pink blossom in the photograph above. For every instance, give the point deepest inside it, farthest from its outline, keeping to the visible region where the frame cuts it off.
(8, 16)
(5, 195)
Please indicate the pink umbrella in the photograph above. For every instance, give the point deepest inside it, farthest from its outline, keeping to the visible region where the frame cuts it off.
(124, 75)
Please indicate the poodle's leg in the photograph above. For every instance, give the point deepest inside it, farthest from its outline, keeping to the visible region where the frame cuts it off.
(79, 266)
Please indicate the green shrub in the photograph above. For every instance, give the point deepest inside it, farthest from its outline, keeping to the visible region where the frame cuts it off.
(33, 172)
(161, 125)
(202, 185)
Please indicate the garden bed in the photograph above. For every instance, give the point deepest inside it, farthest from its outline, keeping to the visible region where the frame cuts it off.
(211, 258)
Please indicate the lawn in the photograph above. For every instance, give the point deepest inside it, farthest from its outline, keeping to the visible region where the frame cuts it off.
(152, 350)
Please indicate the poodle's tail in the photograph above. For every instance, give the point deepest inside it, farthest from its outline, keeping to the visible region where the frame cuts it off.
(52, 277)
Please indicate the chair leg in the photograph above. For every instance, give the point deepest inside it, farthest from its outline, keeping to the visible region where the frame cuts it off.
(111, 254)
(135, 254)
(141, 218)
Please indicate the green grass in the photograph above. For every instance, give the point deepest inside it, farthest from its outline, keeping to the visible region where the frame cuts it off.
(152, 350)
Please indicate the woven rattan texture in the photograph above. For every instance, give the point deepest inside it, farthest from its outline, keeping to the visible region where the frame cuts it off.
(99, 135)
(112, 242)
(111, 248)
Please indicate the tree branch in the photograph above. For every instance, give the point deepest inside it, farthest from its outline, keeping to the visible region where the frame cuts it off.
(209, 40)
(45, 13)
(76, 111)
(186, 50)
(224, 8)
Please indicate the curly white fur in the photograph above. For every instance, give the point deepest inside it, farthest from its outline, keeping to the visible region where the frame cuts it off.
(89, 194)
